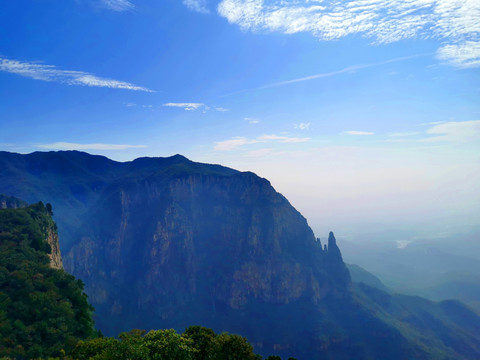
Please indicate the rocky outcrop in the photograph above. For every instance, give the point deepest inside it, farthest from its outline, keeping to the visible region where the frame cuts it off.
(55, 254)
(334, 262)
(50, 229)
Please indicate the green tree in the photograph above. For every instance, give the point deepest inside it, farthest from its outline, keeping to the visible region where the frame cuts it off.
(203, 341)
(232, 347)
(168, 345)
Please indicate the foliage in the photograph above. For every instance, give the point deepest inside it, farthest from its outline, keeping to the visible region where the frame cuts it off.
(195, 343)
(43, 311)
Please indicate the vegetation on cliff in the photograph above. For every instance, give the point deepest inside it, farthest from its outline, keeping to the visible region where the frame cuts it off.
(43, 310)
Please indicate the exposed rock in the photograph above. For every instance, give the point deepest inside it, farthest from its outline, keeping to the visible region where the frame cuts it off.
(55, 255)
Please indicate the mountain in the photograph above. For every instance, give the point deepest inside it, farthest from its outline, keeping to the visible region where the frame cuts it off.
(10, 202)
(360, 275)
(439, 268)
(43, 310)
(167, 242)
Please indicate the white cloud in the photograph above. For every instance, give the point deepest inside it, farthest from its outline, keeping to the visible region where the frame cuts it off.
(221, 109)
(75, 146)
(195, 106)
(251, 120)
(238, 141)
(232, 144)
(197, 5)
(117, 5)
(360, 133)
(466, 55)
(454, 22)
(461, 131)
(283, 139)
(302, 126)
(70, 77)
(186, 106)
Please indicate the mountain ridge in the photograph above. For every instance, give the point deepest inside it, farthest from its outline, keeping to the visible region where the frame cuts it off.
(169, 242)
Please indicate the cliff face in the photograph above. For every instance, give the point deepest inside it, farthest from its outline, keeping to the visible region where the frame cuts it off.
(55, 254)
(200, 248)
(48, 228)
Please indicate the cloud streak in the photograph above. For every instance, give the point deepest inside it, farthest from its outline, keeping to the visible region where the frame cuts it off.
(348, 69)
(302, 126)
(51, 73)
(454, 131)
(191, 106)
(185, 106)
(197, 5)
(117, 5)
(75, 146)
(239, 141)
(453, 22)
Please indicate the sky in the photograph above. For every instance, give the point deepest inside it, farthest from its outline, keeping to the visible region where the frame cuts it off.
(365, 114)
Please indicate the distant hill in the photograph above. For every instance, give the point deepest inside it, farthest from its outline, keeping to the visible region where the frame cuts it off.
(439, 268)
(167, 242)
(10, 202)
(360, 275)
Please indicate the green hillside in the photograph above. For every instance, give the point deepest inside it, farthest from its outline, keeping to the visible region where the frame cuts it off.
(43, 311)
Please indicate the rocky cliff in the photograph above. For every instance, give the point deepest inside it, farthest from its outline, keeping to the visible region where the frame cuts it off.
(49, 229)
(55, 253)
(202, 247)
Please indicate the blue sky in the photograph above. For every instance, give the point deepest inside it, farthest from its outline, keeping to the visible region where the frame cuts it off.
(364, 114)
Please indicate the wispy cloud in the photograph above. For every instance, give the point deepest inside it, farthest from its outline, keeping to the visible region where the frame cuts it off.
(117, 5)
(75, 146)
(302, 126)
(70, 77)
(185, 106)
(349, 69)
(236, 142)
(359, 133)
(251, 120)
(191, 106)
(454, 131)
(465, 55)
(283, 139)
(221, 109)
(232, 144)
(197, 5)
(455, 23)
